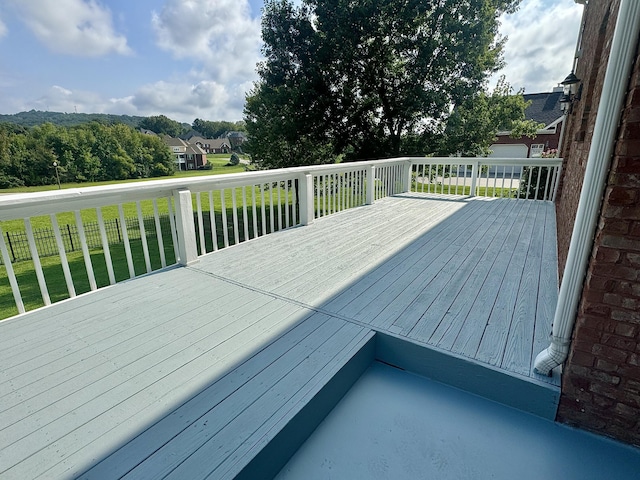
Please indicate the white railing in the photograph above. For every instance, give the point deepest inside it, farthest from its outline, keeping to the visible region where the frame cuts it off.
(524, 178)
(101, 235)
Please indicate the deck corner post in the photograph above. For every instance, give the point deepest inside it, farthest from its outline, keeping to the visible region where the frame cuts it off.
(408, 170)
(306, 199)
(371, 182)
(185, 226)
(475, 169)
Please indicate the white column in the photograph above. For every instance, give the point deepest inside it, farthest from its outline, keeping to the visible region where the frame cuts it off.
(306, 198)
(371, 183)
(185, 226)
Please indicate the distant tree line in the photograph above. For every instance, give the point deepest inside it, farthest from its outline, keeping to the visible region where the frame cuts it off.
(38, 117)
(91, 152)
(161, 124)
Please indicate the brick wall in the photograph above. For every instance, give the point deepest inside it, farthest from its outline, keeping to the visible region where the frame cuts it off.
(601, 380)
(599, 23)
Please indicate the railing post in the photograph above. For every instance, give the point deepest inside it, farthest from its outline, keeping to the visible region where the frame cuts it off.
(371, 183)
(475, 168)
(408, 170)
(185, 226)
(306, 199)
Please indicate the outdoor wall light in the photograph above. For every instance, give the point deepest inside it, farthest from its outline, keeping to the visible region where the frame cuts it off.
(571, 92)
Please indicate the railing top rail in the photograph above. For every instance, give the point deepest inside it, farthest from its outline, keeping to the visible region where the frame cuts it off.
(542, 162)
(21, 205)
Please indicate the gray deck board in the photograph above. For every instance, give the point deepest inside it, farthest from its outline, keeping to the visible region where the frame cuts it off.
(471, 333)
(477, 261)
(494, 338)
(190, 372)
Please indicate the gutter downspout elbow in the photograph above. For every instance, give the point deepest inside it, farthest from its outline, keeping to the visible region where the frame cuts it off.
(621, 59)
(552, 356)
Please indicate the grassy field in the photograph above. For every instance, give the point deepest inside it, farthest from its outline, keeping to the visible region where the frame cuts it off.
(52, 268)
(220, 166)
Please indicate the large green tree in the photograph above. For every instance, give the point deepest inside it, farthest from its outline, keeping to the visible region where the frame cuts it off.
(473, 125)
(161, 124)
(215, 129)
(367, 79)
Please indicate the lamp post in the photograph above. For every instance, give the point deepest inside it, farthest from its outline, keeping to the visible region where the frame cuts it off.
(55, 165)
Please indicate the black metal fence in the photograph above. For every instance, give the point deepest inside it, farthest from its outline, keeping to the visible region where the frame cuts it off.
(18, 245)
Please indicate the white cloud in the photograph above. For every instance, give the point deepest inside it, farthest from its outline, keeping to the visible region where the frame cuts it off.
(541, 45)
(74, 27)
(220, 35)
(183, 102)
(188, 101)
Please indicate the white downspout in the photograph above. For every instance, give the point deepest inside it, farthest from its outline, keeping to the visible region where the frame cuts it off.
(623, 49)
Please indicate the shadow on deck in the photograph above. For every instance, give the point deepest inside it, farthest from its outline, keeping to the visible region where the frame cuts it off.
(222, 369)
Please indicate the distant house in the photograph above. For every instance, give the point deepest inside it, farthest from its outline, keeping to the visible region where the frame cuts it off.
(195, 157)
(220, 145)
(545, 109)
(211, 145)
(179, 149)
(236, 139)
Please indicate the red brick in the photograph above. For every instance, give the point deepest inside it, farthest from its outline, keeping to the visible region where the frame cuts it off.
(582, 358)
(580, 371)
(626, 410)
(631, 398)
(605, 377)
(626, 288)
(621, 242)
(604, 389)
(626, 330)
(630, 372)
(602, 284)
(619, 342)
(631, 180)
(617, 300)
(625, 316)
(613, 354)
(593, 296)
(632, 386)
(631, 129)
(576, 383)
(634, 98)
(617, 271)
(621, 196)
(627, 147)
(616, 226)
(608, 255)
(613, 299)
(606, 366)
(633, 259)
(603, 402)
(634, 359)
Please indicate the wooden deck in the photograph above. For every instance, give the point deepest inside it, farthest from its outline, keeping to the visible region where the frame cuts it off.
(201, 371)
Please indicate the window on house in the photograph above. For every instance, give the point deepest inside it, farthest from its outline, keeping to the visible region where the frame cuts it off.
(536, 150)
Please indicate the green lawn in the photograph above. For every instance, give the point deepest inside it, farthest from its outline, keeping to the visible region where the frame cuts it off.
(52, 265)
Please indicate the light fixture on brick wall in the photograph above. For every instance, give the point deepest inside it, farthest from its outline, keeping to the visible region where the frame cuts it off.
(571, 92)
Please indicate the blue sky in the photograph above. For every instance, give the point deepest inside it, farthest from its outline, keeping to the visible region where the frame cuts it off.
(190, 59)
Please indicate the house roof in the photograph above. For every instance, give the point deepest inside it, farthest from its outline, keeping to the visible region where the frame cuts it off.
(544, 107)
(198, 139)
(195, 149)
(219, 143)
(173, 142)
